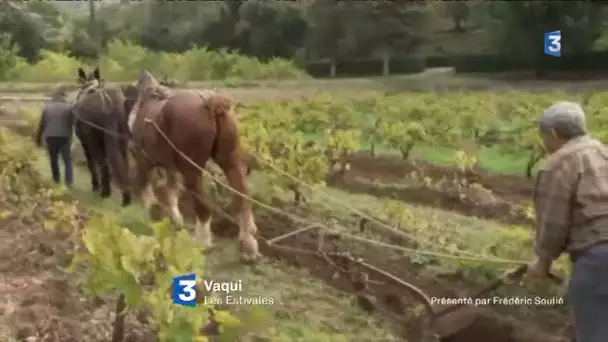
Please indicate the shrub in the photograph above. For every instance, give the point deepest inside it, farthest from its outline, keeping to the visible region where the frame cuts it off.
(508, 62)
(125, 61)
(52, 67)
(10, 62)
(366, 67)
(408, 65)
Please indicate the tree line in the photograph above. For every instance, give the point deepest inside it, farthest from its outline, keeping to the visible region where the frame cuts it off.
(304, 30)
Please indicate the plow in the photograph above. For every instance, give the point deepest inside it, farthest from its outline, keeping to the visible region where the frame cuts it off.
(452, 323)
(455, 323)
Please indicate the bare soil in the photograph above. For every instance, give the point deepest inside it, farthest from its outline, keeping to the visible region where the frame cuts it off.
(476, 192)
(43, 305)
(397, 303)
(467, 201)
(40, 303)
(390, 168)
(487, 195)
(380, 296)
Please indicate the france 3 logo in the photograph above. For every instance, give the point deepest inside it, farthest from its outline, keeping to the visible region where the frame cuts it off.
(553, 43)
(184, 289)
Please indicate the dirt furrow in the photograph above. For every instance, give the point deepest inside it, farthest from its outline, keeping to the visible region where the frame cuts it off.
(469, 202)
(388, 169)
(379, 297)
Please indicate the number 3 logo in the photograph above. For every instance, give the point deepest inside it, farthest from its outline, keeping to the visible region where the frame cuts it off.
(184, 289)
(188, 293)
(555, 43)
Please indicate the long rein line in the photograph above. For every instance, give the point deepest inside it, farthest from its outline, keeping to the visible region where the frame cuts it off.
(469, 256)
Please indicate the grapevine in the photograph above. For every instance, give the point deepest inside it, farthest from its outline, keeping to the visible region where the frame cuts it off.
(137, 269)
(307, 139)
(400, 122)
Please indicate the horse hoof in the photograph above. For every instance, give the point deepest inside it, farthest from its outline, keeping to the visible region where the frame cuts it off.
(248, 247)
(126, 200)
(179, 223)
(251, 259)
(95, 188)
(106, 194)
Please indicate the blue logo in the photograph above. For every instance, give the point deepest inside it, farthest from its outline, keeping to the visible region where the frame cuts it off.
(184, 289)
(553, 43)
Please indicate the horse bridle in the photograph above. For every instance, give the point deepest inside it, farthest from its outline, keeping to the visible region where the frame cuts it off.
(91, 87)
(128, 138)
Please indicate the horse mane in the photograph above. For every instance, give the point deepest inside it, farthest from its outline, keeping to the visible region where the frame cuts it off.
(106, 98)
(162, 92)
(130, 91)
(158, 92)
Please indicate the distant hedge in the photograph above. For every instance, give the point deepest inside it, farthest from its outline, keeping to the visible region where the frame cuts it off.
(365, 68)
(124, 61)
(508, 62)
(483, 63)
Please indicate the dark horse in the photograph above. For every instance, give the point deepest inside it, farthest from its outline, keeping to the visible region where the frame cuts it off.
(201, 125)
(101, 127)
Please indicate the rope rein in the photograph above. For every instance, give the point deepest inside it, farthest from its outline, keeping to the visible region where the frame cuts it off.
(360, 213)
(471, 257)
(342, 231)
(432, 311)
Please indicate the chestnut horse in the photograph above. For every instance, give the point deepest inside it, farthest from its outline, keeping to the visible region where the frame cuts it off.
(101, 127)
(201, 125)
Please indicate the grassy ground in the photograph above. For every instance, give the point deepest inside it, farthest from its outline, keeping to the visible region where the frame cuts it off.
(307, 310)
(248, 92)
(438, 79)
(437, 226)
(489, 158)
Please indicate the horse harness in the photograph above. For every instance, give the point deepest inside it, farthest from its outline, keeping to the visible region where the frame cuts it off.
(104, 97)
(164, 94)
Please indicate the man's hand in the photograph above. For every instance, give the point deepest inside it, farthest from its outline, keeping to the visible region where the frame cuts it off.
(539, 268)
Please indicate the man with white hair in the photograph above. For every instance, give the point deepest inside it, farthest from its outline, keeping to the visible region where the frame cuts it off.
(571, 203)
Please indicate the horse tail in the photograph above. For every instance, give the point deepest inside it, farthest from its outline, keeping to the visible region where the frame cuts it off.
(225, 126)
(217, 118)
(116, 151)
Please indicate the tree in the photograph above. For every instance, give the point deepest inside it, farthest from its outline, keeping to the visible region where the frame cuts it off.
(25, 29)
(519, 27)
(34, 26)
(458, 10)
(270, 29)
(328, 36)
(221, 32)
(93, 30)
(385, 28)
(9, 58)
(170, 26)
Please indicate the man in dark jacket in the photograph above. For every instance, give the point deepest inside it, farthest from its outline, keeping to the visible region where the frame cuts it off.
(56, 127)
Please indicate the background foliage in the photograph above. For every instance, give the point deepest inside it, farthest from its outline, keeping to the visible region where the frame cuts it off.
(327, 37)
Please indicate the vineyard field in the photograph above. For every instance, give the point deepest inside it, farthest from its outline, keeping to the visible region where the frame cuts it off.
(434, 79)
(306, 307)
(398, 179)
